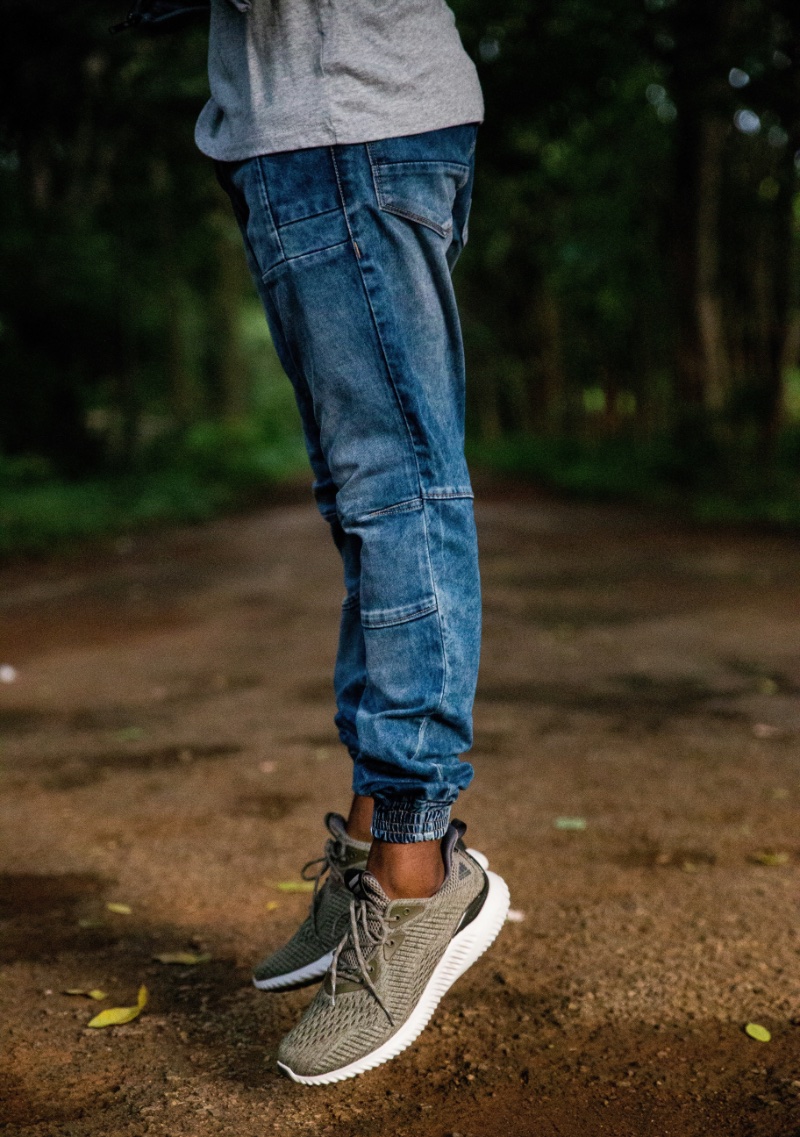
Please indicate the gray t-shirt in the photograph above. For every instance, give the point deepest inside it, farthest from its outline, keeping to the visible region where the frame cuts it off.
(289, 74)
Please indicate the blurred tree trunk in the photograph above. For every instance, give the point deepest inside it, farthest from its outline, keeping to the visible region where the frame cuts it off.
(551, 354)
(772, 286)
(698, 86)
(127, 399)
(185, 403)
(183, 393)
(230, 381)
(710, 323)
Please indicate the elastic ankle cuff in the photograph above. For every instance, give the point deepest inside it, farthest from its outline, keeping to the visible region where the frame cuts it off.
(404, 822)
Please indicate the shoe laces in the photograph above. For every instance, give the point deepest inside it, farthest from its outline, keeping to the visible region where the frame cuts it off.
(329, 862)
(370, 927)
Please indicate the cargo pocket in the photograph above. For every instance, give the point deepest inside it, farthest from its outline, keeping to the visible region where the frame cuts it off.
(396, 580)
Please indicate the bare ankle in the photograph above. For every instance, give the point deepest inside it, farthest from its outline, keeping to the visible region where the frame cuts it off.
(407, 871)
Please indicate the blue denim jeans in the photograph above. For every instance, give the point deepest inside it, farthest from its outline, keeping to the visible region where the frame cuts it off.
(351, 248)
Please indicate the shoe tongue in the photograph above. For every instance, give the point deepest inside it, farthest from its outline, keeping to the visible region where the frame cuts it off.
(367, 887)
(335, 824)
(354, 851)
(364, 886)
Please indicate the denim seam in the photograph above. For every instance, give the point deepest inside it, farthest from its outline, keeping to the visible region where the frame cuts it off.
(345, 214)
(400, 210)
(377, 328)
(445, 495)
(440, 624)
(410, 505)
(272, 272)
(391, 617)
(381, 164)
(309, 217)
(410, 434)
(268, 209)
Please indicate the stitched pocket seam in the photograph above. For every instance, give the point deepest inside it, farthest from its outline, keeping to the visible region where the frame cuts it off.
(390, 617)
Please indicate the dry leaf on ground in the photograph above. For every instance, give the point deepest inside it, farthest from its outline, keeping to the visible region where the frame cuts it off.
(769, 858)
(120, 909)
(759, 1033)
(116, 1016)
(188, 958)
(570, 823)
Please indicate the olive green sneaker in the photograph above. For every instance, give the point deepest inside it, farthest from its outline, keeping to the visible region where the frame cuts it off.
(396, 961)
(307, 955)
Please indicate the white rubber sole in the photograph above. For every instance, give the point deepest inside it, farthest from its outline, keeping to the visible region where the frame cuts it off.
(307, 974)
(462, 951)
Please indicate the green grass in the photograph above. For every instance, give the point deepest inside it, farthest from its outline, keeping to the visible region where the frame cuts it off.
(214, 469)
(707, 483)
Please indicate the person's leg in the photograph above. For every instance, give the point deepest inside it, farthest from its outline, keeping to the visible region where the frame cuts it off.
(306, 956)
(359, 819)
(422, 187)
(353, 248)
(349, 675)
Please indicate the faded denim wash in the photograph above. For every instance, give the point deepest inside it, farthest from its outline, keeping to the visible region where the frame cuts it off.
(351, 247)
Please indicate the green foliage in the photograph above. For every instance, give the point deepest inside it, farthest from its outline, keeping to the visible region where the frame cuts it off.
(716, 485)
(630, 291)
(214, 467)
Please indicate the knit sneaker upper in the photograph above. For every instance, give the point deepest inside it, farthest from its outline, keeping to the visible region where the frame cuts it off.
(381, 969)
(326, 922)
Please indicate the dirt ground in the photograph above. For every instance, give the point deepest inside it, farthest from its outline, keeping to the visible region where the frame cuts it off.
(167, 744)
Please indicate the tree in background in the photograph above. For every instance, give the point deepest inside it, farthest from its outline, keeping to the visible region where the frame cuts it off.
(634, 250)
(122, 282)
(632, 267)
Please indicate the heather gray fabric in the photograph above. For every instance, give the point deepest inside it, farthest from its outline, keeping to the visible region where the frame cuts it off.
(291, 74)
(326, 922)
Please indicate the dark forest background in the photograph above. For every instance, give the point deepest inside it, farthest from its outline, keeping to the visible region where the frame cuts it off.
(630, 292)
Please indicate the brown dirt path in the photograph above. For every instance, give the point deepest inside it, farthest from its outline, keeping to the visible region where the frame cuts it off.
(167, 744)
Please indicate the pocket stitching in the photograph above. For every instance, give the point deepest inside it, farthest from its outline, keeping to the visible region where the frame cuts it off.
(392, 617)
(271, 272)
(381, 168)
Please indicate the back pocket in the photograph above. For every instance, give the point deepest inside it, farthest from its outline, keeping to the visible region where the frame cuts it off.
(422, 190)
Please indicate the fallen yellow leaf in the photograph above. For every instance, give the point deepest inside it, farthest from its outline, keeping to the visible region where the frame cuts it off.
(770, 859)
(759, 1033)
(189, 958)
(575, 823)
(120, 909)
(295, 885)
(95, 993)
(116, 1016)
(272, 905)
